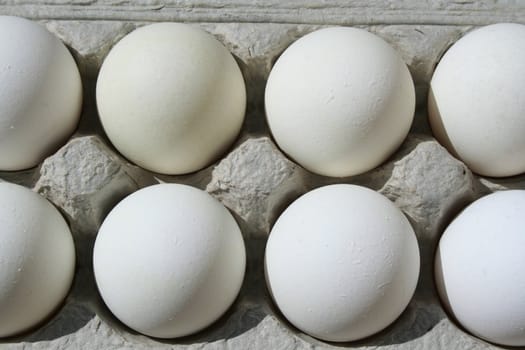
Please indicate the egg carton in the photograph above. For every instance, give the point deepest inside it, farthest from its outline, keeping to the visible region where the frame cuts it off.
(87, 176)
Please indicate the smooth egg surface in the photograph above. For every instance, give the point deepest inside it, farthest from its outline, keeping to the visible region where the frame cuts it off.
(169, 260)
(37, 259)
(40, 93)
(476, 102)
(171, 98)
(479, 268)
(339, 101)
(342, 262)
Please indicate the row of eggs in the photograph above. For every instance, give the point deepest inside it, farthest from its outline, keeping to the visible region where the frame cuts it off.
(339, 101)
(341, 263)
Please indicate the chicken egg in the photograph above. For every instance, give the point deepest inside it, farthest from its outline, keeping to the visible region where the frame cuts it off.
(40, 93)
(477, 100)
(169, 260)
(342, 262)
(171, 98)
(479, 268)
(37, 259)
(339, 101)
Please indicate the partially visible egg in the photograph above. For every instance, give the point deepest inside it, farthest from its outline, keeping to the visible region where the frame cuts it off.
(169, 260)
(480, 268)
(40, 93)
(339, 101)
(171, 98)
(342, 262)
(37, 259)
(477, 100)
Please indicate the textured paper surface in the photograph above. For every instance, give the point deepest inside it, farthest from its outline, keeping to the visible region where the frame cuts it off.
(254, 179)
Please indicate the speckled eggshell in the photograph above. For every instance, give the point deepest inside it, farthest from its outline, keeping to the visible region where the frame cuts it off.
(339, 101)
(477, 100)
(169, 260)
(40, 93)
(171, 98)
(342, 262)
(479, 268)
(37, 259)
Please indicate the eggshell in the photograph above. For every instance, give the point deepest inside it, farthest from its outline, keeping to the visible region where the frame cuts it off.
(477, 100)
(342, 262)
(339, 101)
(169, 260)
(171, 98)
(480, 267)
(37, 259)
(40, 93)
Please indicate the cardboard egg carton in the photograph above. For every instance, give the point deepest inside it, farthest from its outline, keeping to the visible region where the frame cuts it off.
(254, 179)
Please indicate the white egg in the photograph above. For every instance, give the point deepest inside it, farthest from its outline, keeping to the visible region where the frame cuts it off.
(37, 259)
(169, 260)
(171, 98)
(339, 101)
(342, 262)
(480, 266)
(40, 93)
(477, 100)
